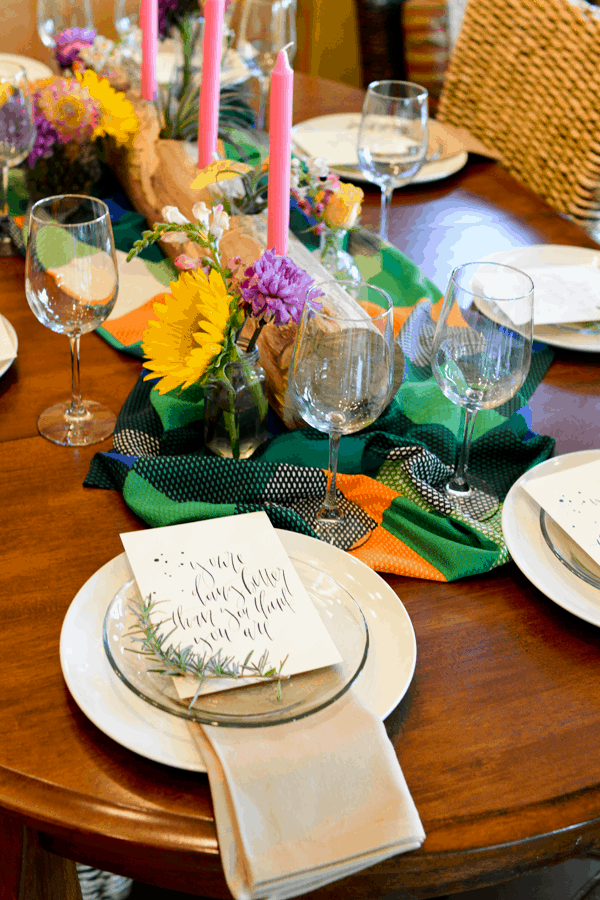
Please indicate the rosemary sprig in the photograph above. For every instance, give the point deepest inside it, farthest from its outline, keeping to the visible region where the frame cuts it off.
(176, 661)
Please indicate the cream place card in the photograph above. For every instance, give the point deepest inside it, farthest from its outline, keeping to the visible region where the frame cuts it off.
(572, 498)
(228, 586)
(565, 294)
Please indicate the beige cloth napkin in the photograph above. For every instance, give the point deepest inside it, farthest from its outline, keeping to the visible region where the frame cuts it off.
(300, 805)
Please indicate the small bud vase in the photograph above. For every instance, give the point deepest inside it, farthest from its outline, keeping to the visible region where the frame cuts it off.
(334, 258)
(235, 414)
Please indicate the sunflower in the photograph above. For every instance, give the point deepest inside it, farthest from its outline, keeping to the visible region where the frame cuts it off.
(191, 332)
(117, 116)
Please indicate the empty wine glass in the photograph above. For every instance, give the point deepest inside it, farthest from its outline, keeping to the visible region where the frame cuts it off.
(266, 27)
(71, 283)
(340, 380)
(55, 16)
(481, 356)
(17, 129)
(392, 138)
(127, 17)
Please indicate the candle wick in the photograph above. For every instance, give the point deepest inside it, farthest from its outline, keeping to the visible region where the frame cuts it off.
(287, 46)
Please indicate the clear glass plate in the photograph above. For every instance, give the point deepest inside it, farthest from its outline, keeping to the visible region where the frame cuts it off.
(568, 552)
(256, 705)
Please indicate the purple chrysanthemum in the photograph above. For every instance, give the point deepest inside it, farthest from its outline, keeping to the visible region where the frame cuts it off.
(275, 289)
(69, 42)
(46, 137)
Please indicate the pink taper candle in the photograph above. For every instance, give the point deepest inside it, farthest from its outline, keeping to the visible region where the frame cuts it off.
(149, 24)
(280, 154)
(212, 48)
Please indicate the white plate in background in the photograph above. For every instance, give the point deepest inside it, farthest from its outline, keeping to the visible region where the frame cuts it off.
(348, 124)
(528, 548)
(570, 337)
(34, 68)
(6, 363)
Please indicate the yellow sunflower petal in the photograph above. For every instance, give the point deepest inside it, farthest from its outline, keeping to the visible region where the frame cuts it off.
(221, 170)
(190, 331)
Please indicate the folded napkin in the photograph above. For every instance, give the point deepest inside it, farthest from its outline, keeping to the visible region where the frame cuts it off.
(300, 805)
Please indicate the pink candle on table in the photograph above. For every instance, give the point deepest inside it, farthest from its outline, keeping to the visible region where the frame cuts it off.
(212, 48)
(149, 25)
(280, 154)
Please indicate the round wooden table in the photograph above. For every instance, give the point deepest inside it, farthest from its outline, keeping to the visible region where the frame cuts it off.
(497, 734)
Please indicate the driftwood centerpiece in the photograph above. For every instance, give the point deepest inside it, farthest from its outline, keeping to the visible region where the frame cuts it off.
(156, 173)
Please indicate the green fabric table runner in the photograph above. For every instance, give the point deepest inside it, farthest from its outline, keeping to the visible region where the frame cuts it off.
(393, 470)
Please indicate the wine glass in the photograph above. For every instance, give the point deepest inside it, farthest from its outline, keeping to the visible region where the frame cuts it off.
(266, 27)
(127, 18)
(392, 138)
(340, 380)
(480, 358)
(17, 128)
(71, 282)
(55, 16)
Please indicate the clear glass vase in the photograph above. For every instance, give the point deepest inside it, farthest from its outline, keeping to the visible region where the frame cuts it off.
(235, 414)
(334, 258)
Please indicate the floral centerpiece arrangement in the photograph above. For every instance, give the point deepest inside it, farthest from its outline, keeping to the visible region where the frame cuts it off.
(334, 208)
(203, 341)
(74, 115)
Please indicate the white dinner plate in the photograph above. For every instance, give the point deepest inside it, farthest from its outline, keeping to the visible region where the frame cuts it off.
(348, 123)
(5, 364)
(34, 68)
(571, 337)
(164, 738)
(526, 544)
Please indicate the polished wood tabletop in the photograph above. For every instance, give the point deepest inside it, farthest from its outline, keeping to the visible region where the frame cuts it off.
(498, 732)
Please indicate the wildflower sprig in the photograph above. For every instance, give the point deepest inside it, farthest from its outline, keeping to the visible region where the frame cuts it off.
(321, 195)
(177, 662)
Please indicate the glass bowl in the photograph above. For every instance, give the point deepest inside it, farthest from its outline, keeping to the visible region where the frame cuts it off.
(255, 705)
(568, 551)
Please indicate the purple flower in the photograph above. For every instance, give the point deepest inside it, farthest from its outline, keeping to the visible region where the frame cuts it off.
(275, 289)
(46, 138)
(17, 132)
(69, 42)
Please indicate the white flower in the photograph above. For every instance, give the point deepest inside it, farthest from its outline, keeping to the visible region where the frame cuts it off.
(220, 222)
(172, 215)
(175, 237)
(318, 166)
(202, 214)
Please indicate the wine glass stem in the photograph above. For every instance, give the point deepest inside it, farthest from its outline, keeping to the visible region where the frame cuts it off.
(386, 199)
(458, 483)
(76, 408)
(263, 90)
(4, 190)
(330, 506)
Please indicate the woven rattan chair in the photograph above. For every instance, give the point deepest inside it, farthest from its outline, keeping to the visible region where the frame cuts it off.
(524, 78)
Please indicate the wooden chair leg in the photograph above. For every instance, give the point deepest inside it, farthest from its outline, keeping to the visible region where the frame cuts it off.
(27, 872)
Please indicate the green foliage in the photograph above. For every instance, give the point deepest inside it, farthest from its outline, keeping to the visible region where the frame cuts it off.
(174, 661)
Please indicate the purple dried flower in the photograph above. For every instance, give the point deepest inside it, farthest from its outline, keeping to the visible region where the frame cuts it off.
(17, 131)
(46, 137)
(69, 42)
(275, 289)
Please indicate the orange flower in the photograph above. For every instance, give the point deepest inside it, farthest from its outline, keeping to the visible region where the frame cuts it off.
(343, 208)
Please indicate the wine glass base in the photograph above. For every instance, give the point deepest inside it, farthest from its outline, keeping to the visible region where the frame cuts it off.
(97, 424)
(347, 531)
(480, 502)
